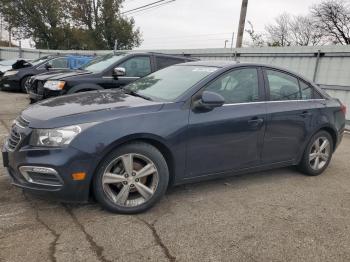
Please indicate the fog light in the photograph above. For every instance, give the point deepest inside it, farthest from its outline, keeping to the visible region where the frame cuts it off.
(79, 176)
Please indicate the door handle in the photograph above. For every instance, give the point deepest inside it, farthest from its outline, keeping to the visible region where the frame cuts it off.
(255, 121)
(305, 114)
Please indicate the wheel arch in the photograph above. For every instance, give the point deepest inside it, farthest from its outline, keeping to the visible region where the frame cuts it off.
(331, 130)
(153, 140)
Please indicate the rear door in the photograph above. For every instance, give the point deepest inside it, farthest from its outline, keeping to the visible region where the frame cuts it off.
(135, 67)
(229, 137)
(288, 116)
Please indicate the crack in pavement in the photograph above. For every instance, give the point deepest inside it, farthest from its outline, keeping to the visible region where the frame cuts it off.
(53, 244)
(95, 247)
(158, 239)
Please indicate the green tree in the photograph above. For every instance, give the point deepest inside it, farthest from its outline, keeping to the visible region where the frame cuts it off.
(71, 24)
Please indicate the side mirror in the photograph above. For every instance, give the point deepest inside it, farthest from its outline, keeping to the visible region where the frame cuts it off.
(119, 71)
(48, 66)
(209, 100)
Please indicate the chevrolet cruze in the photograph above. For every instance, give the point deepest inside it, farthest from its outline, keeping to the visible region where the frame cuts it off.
(184, 123)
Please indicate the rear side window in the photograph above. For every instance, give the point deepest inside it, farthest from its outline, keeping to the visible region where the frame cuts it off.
(137, 66)
(306, 91)
(282, 86)
(237, 86)
(286, 87)
(163, 62)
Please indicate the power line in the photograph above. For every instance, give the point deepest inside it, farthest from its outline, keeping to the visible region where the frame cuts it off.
(189, 36)
(145, 6)
(150, 8)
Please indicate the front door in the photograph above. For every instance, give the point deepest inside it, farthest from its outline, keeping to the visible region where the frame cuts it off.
(135, 68)
(228, 137)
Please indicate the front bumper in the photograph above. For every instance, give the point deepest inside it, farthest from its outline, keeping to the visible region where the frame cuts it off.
(10, 84)
(64, 161)
(43, 95)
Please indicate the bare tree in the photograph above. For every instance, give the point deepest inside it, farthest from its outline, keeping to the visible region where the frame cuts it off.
(303, 31)
(278, 33)
(257, 39)
(332, 18)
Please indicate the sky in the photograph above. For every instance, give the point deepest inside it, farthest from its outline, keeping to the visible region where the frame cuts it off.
(203, 23)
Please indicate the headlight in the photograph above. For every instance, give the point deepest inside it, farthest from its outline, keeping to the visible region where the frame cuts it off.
(54, 137)
(10, 73)
(54, 85)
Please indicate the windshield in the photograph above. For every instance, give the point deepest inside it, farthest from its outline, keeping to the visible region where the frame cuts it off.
(38, 61)
(171, 82)
(101, 63)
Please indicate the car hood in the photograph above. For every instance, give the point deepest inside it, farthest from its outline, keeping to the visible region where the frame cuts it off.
(86, 107)
(4, 68)
(53, 73)
(69, 74)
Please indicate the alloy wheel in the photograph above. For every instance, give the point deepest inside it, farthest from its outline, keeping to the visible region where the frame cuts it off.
(130, 180)
(319, 153)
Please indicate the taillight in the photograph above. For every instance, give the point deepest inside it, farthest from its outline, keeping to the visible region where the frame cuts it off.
(343, 109)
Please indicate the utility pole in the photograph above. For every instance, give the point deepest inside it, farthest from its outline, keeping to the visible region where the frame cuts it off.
(241, 23)
(1, 27)
(233, 36)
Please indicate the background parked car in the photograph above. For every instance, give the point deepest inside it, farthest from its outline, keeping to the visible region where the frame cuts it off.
(15, 79)
(101, 73)
(6, 65)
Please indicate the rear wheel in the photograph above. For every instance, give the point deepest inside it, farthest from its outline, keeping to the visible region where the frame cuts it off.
(131, 179)
(318, 154)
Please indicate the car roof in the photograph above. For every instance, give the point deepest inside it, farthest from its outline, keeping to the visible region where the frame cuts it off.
(212, 63)
(154, 53)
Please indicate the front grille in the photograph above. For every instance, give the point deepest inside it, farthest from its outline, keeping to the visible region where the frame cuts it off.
(40, 87)
(13, 139)
(15, 136)
(21, 122)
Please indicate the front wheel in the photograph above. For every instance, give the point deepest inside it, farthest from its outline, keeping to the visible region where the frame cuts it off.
(131, 179)
(23, 84)
(318, 154)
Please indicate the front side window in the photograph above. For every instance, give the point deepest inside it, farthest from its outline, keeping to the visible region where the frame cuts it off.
(137, 66)
(238, 86)
(59, 63)
(101, 63)
(282, 86)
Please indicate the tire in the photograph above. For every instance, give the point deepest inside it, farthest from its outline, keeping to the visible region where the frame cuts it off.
(112, 179)
(308, 164)
(23, 83)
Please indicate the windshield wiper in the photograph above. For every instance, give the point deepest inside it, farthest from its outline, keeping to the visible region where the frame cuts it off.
(133, 93)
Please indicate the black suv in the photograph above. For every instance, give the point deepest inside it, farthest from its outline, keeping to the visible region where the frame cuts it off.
(109, 71)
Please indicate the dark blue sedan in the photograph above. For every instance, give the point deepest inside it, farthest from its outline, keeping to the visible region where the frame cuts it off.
(185, 123)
